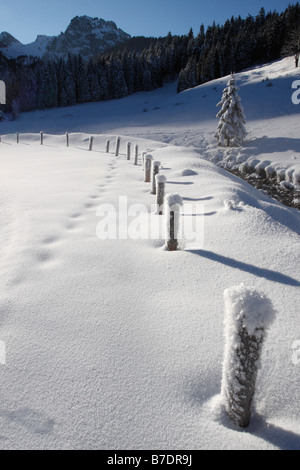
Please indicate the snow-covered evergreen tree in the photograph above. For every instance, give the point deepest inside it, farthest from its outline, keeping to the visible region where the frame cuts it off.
(82, 83)
(92, 74)
(102, 80)
(231, 128)
(293, 46)
(116, 80)
(46, 85)
(15, 109)
(187, 77)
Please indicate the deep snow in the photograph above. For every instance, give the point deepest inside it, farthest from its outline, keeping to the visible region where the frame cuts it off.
(119, 343)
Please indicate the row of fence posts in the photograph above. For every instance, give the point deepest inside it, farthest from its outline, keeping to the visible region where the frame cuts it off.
(243, 347)
(264, 172)
(91, 140)
(243, 344)
(169, 204)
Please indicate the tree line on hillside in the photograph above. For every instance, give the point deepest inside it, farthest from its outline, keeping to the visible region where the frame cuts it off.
(194, 59)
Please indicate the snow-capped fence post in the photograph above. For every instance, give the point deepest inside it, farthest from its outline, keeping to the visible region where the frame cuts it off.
(42, 137)
(118, 142)
(91, 143)
(18, 138)
(128, 146)
(173, 205)
(147, 168)
(154, 171)
(160, 192)
(67, 139)
(143, 159)
(248, 315)
(107, 146)
(136, 154)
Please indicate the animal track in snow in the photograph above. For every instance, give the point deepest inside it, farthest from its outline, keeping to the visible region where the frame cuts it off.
(75, 215)
(89, 205)
(43, 256)
(50, 240)
(70, 225)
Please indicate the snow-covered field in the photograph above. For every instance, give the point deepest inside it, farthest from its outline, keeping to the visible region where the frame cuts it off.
(118, 344)
(189, 118)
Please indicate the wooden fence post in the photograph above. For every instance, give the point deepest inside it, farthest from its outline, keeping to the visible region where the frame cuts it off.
(173, 204)
(136, 154)
(248, 314)
(91, 143)
(154, 171)
(128, 150)
(160, 192)
(143, 159)
(118, 142)
(147, 168)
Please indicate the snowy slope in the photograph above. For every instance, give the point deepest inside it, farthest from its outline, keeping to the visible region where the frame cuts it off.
(189, 118)
(118, 343)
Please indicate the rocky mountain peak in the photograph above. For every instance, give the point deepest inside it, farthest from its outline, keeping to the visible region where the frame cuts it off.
(84, 35)
(7, 40)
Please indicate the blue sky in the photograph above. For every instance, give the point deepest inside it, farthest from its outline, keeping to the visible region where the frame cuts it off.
(25, 19)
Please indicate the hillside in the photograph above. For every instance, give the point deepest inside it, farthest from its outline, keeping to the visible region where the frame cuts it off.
(189, 119)
(118, 343)
(113, 72)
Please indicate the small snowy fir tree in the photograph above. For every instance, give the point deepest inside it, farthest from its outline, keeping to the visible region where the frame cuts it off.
(15, 109)
(231, 129)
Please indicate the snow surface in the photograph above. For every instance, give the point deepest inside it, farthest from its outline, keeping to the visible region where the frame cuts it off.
(118, 343)
(160, 178)
(173, 199)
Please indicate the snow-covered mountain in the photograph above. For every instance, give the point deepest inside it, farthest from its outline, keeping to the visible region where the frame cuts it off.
(12, 48)
(7, 41)
(84, 35)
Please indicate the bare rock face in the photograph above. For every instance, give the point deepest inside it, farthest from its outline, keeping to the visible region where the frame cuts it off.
(87, 36)
(6, 40)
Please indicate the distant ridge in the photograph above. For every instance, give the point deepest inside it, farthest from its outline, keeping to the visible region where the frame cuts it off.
(84, 35)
